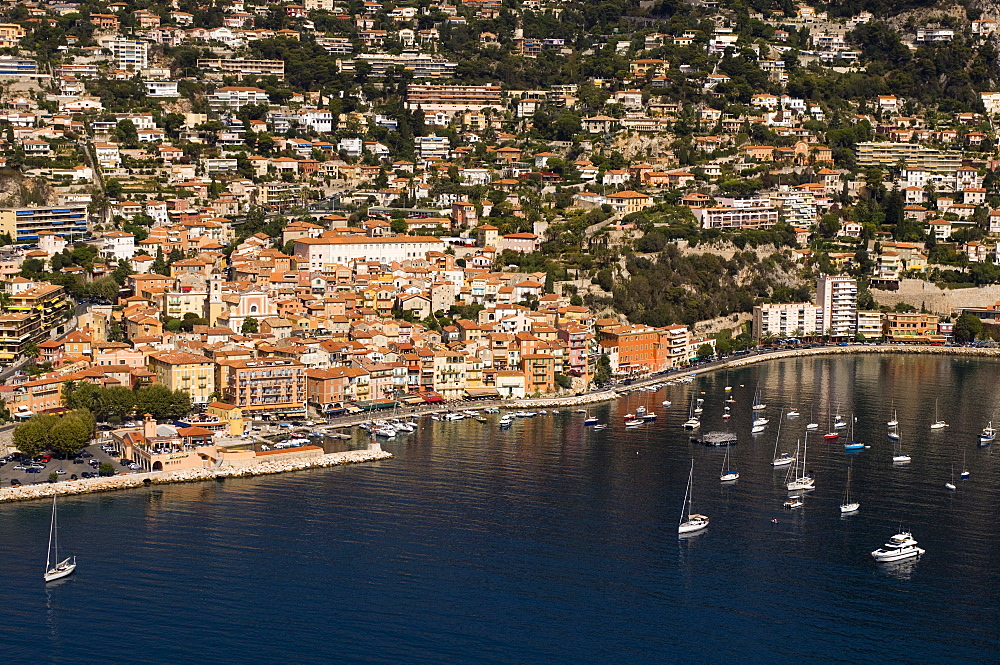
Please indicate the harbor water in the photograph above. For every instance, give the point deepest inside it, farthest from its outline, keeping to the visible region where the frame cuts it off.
(552, 542)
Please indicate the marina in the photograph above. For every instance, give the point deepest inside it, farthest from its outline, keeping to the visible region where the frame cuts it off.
(524, 501)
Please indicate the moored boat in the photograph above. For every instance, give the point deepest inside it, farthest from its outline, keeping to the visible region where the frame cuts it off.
(901, 546)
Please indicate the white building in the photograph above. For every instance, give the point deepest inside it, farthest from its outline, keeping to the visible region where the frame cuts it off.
(130, 54)
(341, 250)
(118, 245)
(433, 146)
(161, 88)
(797, 319)
(233, 98)
(837, 295)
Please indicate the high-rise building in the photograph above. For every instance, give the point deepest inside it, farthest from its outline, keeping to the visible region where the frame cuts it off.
(838, 296)
(797, 319)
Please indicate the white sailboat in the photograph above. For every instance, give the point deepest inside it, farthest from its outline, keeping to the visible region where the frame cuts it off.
(951, 485)
(937, 424)
(900, 457)
(803, 481)
(784, 459)
(757, 406)
(964, 474)
(894, 422)
(849, 506)
(812, 426)
(728, 475)
(692, 422)
(67, 565)
(792, 414)
(694, 522)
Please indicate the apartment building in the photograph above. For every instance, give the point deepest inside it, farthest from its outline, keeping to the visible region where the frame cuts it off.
(244, 66)
(727, 217)
(329, 250)
(46, 301)
(888, 154)
(453, 98)
(190, 372)
(10, 35)
(267, 387)
(16, 331)
(130, 54)
(422, 65)
(784, 320)
(24, 224)
(912, 327)
(837, 295)
(233, 98)
(10, 66)
(871, 324)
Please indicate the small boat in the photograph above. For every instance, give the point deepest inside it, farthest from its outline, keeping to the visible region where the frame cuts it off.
(757, 406)
(639, 410)
(812, 427)
(62, 568)
(632, 421)
(728, 475)
(792, 414)
(694, 522)
(938, 423)
(757, 429)
(600, 427)
(901, 546)
(692, 423)
(385, 432)
(590, 420)
(988, 435)
(794, 501)
(803, 481)
(784, 459)
(832, 436)
(580, 411)
(726, 415)
(894, 435)
(506, 421)
(900, 457)
(853, 445)
(482, 419)
(697, 407)
(895, 421)
(649, 416)
(666, 403)
(951, 485)
(849, 506)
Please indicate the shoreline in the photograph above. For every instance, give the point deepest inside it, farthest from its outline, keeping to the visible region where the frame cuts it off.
(374, 453)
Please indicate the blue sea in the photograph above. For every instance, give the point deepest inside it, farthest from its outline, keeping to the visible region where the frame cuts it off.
(554, 543)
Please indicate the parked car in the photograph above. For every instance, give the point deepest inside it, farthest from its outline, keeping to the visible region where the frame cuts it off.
(14, 482)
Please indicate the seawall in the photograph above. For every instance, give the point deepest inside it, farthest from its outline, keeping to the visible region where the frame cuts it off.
(134, 480)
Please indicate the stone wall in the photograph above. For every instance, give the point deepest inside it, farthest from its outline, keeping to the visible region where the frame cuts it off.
(263, 466)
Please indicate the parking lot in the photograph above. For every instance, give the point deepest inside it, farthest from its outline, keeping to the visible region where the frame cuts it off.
(33, 473)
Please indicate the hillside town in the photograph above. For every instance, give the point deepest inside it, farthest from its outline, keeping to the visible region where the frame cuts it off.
(293, 210)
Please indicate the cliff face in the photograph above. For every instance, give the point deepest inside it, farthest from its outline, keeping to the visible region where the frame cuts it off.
(17, 190)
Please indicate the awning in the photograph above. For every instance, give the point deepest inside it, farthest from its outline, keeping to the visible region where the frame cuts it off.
(432, 397)
(375, 405)
(482, 393)
(410, 399)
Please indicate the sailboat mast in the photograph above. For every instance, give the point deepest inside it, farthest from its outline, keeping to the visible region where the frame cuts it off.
(52, 530)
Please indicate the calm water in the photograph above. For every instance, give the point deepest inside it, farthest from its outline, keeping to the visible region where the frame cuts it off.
(551, 543)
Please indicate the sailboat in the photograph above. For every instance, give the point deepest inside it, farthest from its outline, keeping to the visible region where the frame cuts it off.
(694, 522)
(965, 470)
(728, 387)
(937, 424)
(853, 445)
(838, 422)
(988, 435)
(849, 506)
(900, 457)
(757, 406)
(792, 413)
(803, 481)
(692, 422)
(951, 485)
(728, 474)
(697, 406)
(895, 421)
(67, 565)
(832, 434)
(784, 459)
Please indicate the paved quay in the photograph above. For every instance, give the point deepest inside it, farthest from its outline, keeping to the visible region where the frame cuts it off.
(301, 462)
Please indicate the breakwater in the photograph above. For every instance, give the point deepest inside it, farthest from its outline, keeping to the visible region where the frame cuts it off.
(259, 467)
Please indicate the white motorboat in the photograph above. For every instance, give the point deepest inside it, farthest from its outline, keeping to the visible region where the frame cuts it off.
(692, 423)
(757, 429)
(801, 481)
(64, 567)
(385, 432)
(793, 414)
(649, 415)
(901, 546)
(690, 521)
(812, 427)
(600, 427)
(590, 420)
(794, 501)
(849, 506)
(761, 421)
(988, 435)
(640, 410)
(665, 403)
(506, 421)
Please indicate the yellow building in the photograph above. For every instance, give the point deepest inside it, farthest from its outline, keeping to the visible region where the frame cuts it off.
(230, 413)
(180, 370)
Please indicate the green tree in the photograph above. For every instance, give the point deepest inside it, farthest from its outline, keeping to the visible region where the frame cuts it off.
(705, 351)
(967, 328)
(603, 372)
(106, 469)
(31, 351)
(35, 434)
(71, 433)
(126, 133)
(180, 404)
(115, 403)
(250, 326)
(155, 400)
(563, 381)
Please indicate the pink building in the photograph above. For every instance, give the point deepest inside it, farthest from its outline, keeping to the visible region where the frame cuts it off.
(519, 242)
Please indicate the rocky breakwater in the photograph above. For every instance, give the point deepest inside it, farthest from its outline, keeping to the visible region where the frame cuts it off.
(572, 400)
(264, 466)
